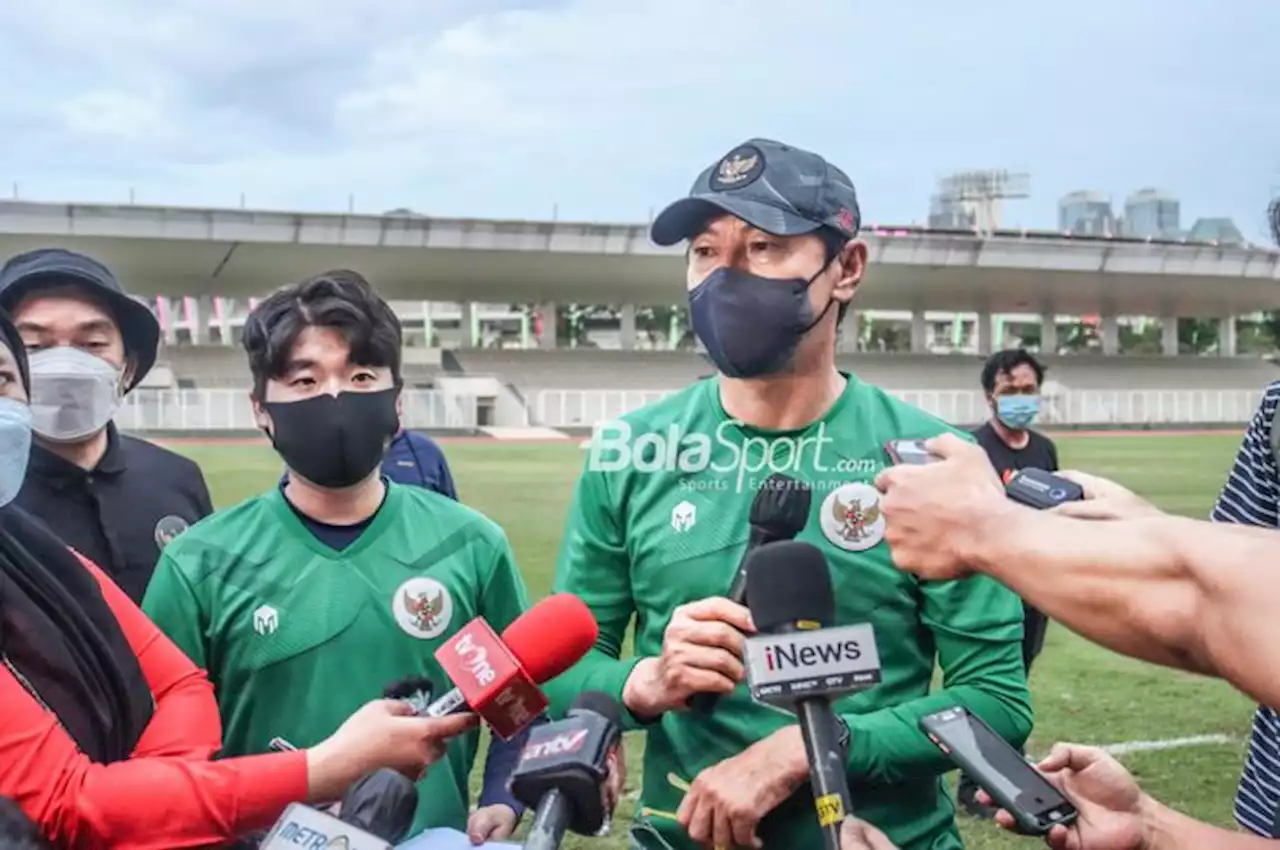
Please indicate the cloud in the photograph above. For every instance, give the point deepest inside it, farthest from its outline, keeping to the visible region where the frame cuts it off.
(605, 109)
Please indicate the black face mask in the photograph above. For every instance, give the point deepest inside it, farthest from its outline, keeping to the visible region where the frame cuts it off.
(334, 441)
(752, 325)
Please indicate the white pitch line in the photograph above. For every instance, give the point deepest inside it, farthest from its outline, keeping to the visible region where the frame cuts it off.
(1126, 747)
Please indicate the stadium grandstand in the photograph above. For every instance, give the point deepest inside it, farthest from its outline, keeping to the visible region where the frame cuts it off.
(531, 359)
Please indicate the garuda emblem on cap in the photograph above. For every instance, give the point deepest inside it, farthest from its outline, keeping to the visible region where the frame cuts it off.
(738, 169)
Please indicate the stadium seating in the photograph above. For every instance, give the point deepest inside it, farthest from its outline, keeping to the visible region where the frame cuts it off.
(586, 368)
(597, 369)
(224, 366)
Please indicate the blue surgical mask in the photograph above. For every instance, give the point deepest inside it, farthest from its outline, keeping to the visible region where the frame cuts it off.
(15, 447)
(1017, 411)
(751, 325)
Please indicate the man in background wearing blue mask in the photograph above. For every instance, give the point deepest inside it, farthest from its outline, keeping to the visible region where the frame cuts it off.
(1011, 380)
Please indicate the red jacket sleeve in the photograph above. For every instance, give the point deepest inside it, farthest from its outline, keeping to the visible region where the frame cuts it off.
(150, 802)
(185, 723)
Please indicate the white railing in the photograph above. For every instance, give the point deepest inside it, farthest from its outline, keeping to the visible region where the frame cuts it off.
(230, 410)
(585, 408)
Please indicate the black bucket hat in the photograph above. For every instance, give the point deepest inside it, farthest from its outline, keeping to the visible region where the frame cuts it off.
(57, 266)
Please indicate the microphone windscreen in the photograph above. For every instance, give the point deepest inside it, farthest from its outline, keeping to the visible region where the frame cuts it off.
(551, 636)
(409, 686)
(788, 582)
(381, 803)
(600, 703)
(781, 507)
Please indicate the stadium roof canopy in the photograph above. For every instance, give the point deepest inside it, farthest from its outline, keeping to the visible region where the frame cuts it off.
(240, 253)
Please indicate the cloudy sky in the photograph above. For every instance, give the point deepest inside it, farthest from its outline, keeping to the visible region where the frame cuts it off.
(606, 109)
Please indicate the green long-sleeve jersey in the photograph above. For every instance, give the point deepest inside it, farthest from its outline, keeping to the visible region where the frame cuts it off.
(660, 518)
(296, 636)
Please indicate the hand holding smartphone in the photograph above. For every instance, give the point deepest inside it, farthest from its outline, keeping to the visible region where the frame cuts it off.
(909, 452)
(999, 769)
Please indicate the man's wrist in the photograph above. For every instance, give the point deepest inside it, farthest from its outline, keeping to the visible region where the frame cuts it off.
(791, 755)
(979, 548)
(1161, 826)
(638, 692)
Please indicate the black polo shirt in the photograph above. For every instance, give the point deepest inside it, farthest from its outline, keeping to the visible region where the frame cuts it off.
(121, 513)
(1038, 453)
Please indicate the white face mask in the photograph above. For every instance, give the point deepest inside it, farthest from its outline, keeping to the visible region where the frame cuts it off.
(73, 393)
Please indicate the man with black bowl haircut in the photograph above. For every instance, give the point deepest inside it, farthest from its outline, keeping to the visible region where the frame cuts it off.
(338, 581)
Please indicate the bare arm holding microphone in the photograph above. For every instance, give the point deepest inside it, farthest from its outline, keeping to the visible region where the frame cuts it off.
(1178, 592)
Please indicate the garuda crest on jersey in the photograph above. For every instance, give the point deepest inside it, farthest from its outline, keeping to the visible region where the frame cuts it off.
(422, 606)
(855, 518)
(851, 517)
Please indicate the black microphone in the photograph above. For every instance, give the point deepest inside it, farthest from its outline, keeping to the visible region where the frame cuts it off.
(417, 691)
(778, 512)
(563, 769)
(381, 803)
(800, 660)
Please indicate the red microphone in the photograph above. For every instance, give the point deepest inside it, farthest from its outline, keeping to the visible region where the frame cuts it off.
(498, 677)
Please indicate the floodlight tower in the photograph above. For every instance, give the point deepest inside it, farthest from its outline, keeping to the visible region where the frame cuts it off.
(1273, 216)
(978, 196)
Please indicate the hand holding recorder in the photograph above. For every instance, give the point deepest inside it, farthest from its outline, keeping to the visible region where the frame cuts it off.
(383, 733)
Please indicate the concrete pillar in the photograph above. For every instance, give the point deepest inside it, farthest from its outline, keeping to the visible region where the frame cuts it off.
(467, 325)
(847, 336)
(1227, 345)
(1169, 336)
(167, 311)
(627, 332)
(549, 327)
(985, 329)
(201, 316)
(919, 333)
(1110, 332)
(428, 327)
(1049, 332)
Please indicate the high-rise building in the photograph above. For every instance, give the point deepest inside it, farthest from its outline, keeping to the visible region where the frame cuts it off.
(1086, 212)
(1220, 230)
(1153, 214)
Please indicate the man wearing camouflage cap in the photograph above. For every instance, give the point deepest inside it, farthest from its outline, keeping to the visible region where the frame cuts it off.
(659, 525)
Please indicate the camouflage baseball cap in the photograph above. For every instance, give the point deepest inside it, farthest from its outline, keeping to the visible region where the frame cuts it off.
(778, 188)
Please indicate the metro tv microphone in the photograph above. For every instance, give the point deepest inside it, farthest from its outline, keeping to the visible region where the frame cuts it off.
(375, 814)
(778, 512)
(800, 661)
(498, 677)
(563, 770)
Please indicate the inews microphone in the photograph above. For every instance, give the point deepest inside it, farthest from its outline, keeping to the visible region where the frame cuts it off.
(564, 768)
(778, 512)
(498, 677)
(800, 661)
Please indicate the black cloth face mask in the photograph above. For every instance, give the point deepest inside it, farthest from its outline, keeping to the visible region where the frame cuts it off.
(752, 325)
(334, 441)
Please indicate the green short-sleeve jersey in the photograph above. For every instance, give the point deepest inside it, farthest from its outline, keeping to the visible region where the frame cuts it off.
(659, 519)
(296, 636)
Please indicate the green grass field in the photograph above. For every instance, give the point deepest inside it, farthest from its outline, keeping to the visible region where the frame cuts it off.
(1082, 693)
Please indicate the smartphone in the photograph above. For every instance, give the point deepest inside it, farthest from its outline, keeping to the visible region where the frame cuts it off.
(908, 451)
(1042, 490)
(999, 769)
